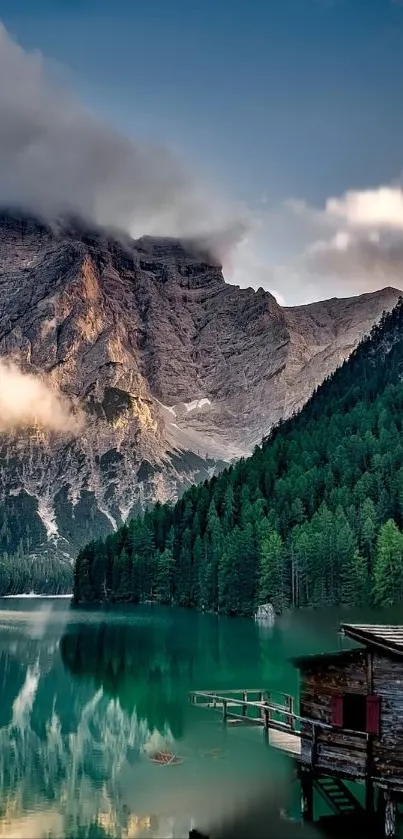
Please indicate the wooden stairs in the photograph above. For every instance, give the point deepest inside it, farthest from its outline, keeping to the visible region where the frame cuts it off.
(338, 797)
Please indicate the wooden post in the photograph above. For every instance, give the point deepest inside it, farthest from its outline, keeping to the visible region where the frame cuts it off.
(380, 812)
(369, 786)
(244, 707)
(307, 796)
(390, 822)
(224, 710)
(369, 796)
(314, 746)
(290, 706)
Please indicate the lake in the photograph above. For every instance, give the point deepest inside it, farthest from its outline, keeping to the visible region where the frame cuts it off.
(86, 695)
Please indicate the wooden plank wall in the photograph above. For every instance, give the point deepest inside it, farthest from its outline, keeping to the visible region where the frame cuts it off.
(319, 681)
(387, 682)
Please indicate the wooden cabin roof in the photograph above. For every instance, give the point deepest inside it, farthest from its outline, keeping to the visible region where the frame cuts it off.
(385, 637)
(302, 661)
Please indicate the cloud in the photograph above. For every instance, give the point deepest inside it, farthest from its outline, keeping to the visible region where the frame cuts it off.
(27, 400)
(368, 260)
(371, 208)
(56, 157)
(245, 266)
(359, 244)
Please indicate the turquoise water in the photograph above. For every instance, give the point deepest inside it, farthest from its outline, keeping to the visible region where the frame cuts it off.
(86, 696)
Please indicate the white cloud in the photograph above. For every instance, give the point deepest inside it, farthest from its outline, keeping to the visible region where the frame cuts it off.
(27, 400)
(246, 267)
(358, 245)
(339, 242)
(57, 157)
(380, 208)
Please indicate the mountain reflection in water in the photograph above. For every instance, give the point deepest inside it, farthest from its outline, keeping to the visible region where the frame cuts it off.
(88, 697)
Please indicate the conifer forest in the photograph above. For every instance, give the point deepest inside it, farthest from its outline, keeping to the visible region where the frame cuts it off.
(313, 518)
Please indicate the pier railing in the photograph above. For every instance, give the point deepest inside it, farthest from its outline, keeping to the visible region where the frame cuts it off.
(253, 706)
(326, 757)
(275, 711)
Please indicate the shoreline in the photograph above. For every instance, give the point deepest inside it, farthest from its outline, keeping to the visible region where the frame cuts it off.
(32, 596)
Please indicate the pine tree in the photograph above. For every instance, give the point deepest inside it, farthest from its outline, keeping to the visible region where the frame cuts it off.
(228, 518)
(228, 588)
(163, 579)
(271, 568)
(356, 582)
(388, 569)
(83, 588)
(185, 570)
(98, 572)
(125, 589)
(247, 571)
(213, 550)
(198, 562)
(345, 553)
(367, 518)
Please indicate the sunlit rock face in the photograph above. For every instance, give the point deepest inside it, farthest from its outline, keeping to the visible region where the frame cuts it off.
(175, 371)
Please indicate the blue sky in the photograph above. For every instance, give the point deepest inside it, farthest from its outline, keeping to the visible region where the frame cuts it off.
(274, 100)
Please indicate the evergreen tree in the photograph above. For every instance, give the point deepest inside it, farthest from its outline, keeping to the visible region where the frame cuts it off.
(272, 587)
(313, 518)
(388, 569)
(163, 580)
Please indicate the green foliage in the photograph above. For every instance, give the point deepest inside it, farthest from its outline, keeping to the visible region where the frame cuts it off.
(388, 570)
(314, 517)
(21, 574)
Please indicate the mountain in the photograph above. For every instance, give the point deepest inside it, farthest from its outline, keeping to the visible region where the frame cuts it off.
(178, 373)
(313, 518)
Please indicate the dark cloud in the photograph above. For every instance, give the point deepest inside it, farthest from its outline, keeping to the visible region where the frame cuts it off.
(56, 157)
(373, 261)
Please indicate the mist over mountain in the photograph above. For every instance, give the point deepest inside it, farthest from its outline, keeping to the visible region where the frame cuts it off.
(156, 374)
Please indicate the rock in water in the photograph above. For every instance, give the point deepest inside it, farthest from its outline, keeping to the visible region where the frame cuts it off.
(265, 614)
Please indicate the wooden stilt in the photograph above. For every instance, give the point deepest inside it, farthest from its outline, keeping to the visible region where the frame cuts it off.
(307, 796)
(245, 707)
(380, 811)
(390, 822)
(369, 796)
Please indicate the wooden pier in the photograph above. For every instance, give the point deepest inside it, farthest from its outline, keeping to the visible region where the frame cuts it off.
(257, 708)
(349, 727)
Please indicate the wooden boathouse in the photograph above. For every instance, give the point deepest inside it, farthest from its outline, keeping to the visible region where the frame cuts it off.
(349, 727)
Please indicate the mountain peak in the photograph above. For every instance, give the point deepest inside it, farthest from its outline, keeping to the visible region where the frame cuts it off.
(176, 371)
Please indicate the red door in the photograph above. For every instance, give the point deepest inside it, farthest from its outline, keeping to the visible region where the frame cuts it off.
(337, 711)
(373, 715)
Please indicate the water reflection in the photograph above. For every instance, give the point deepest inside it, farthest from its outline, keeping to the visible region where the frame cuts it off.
(137, 666)
(86, 698)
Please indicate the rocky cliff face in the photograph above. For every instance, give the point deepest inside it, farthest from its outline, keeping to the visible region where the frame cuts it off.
(177, 372)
